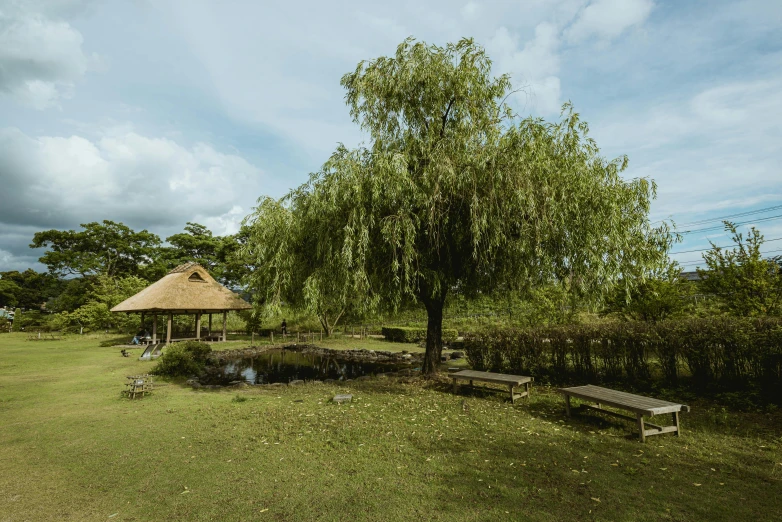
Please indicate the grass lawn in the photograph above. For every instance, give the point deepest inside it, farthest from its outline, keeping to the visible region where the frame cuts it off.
(72, 449)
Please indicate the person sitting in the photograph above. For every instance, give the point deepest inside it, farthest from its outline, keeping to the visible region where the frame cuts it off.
(140, 336)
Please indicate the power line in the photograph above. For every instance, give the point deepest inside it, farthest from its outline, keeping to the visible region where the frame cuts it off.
(740, 214)
(697, 261)
(705, 249)
(718, 227)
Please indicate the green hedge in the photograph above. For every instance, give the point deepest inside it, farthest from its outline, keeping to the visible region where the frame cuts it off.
(716, 352)
(402, 334)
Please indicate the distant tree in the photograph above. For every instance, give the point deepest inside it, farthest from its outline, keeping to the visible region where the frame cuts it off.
(106, 248)
(455, 192)
(74, 294)
(106, 293)
(9, 291)
(745, 282)
(198, 244)
(661, 295)
(33, 288)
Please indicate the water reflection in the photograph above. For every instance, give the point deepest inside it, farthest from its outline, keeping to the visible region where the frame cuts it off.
(286, 365)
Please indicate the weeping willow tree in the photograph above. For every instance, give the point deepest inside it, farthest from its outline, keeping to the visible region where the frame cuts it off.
(454, 192)
(289, 267)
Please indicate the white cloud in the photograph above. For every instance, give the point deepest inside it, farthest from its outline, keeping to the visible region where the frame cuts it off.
(470, 10)
(535, 66)
(716, 149)
(607, 19)
(41, 58)
(60, 182)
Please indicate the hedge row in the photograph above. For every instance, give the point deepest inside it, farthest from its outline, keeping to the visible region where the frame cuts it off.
(722, 351)
(401, 334)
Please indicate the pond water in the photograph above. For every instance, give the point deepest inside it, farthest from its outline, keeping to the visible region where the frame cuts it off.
(287, 365)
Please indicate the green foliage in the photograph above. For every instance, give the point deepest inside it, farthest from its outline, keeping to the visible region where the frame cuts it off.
(455, 192)
(183, 359)
(402, 334)
(8, 293)
(107, 248)
(75, 293)
(661, 296)
(28, 289)
(106, 292)
(31, 320)
(280, 240)
(198, 244)
(746, 283)
(719, 352)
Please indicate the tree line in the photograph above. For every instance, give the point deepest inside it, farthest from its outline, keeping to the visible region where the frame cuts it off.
(96, 267)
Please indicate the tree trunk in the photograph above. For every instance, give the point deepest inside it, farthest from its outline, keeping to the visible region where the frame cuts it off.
(434, 333)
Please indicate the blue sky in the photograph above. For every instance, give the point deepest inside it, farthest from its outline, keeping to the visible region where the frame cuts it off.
(156, 113)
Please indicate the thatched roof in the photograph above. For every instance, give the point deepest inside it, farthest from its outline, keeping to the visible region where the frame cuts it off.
(186, 289)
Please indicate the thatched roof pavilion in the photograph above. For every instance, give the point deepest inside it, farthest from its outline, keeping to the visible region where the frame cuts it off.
(187, 289)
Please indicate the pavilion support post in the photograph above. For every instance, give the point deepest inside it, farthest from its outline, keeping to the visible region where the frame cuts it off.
(210, 324)
(225, 326)
(142, 321)
(168, 329)
(198, 326)
(154, 329)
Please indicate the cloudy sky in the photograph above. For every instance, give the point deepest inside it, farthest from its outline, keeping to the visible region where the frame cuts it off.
(155, 113)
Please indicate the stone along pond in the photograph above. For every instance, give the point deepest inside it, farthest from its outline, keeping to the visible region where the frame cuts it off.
(303, 363)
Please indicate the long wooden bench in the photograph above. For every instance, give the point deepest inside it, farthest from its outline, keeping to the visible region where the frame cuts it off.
(511, 381)
(637, 404)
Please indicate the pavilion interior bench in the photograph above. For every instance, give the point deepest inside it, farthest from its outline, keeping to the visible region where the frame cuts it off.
(639, 405)
(510, 381)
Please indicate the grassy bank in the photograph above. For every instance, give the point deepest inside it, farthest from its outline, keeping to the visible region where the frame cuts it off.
(72, 449)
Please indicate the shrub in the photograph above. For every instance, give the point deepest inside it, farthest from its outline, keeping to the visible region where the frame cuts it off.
(401, 334)
(183, 359)
(717, 353)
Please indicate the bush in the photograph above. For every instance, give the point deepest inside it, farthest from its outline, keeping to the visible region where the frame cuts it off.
(401, 334)
(719, 353)
(183, 359)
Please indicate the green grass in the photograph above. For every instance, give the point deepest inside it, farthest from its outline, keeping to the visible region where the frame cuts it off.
(72, 449)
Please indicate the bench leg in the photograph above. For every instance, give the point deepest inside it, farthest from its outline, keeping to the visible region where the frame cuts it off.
(455, 386)
(527, 389)
(675, 416)
(641, 427)
(512, 398)
(567, 405)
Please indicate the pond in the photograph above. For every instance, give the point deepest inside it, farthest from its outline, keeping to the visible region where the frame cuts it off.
(285, 365)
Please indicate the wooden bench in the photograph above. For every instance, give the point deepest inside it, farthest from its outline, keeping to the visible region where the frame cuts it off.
(511, 381)
(637, 404)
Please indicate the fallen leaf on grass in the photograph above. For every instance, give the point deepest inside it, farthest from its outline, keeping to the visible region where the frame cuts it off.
(596, 499)
(695, 484)
(263, 510)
